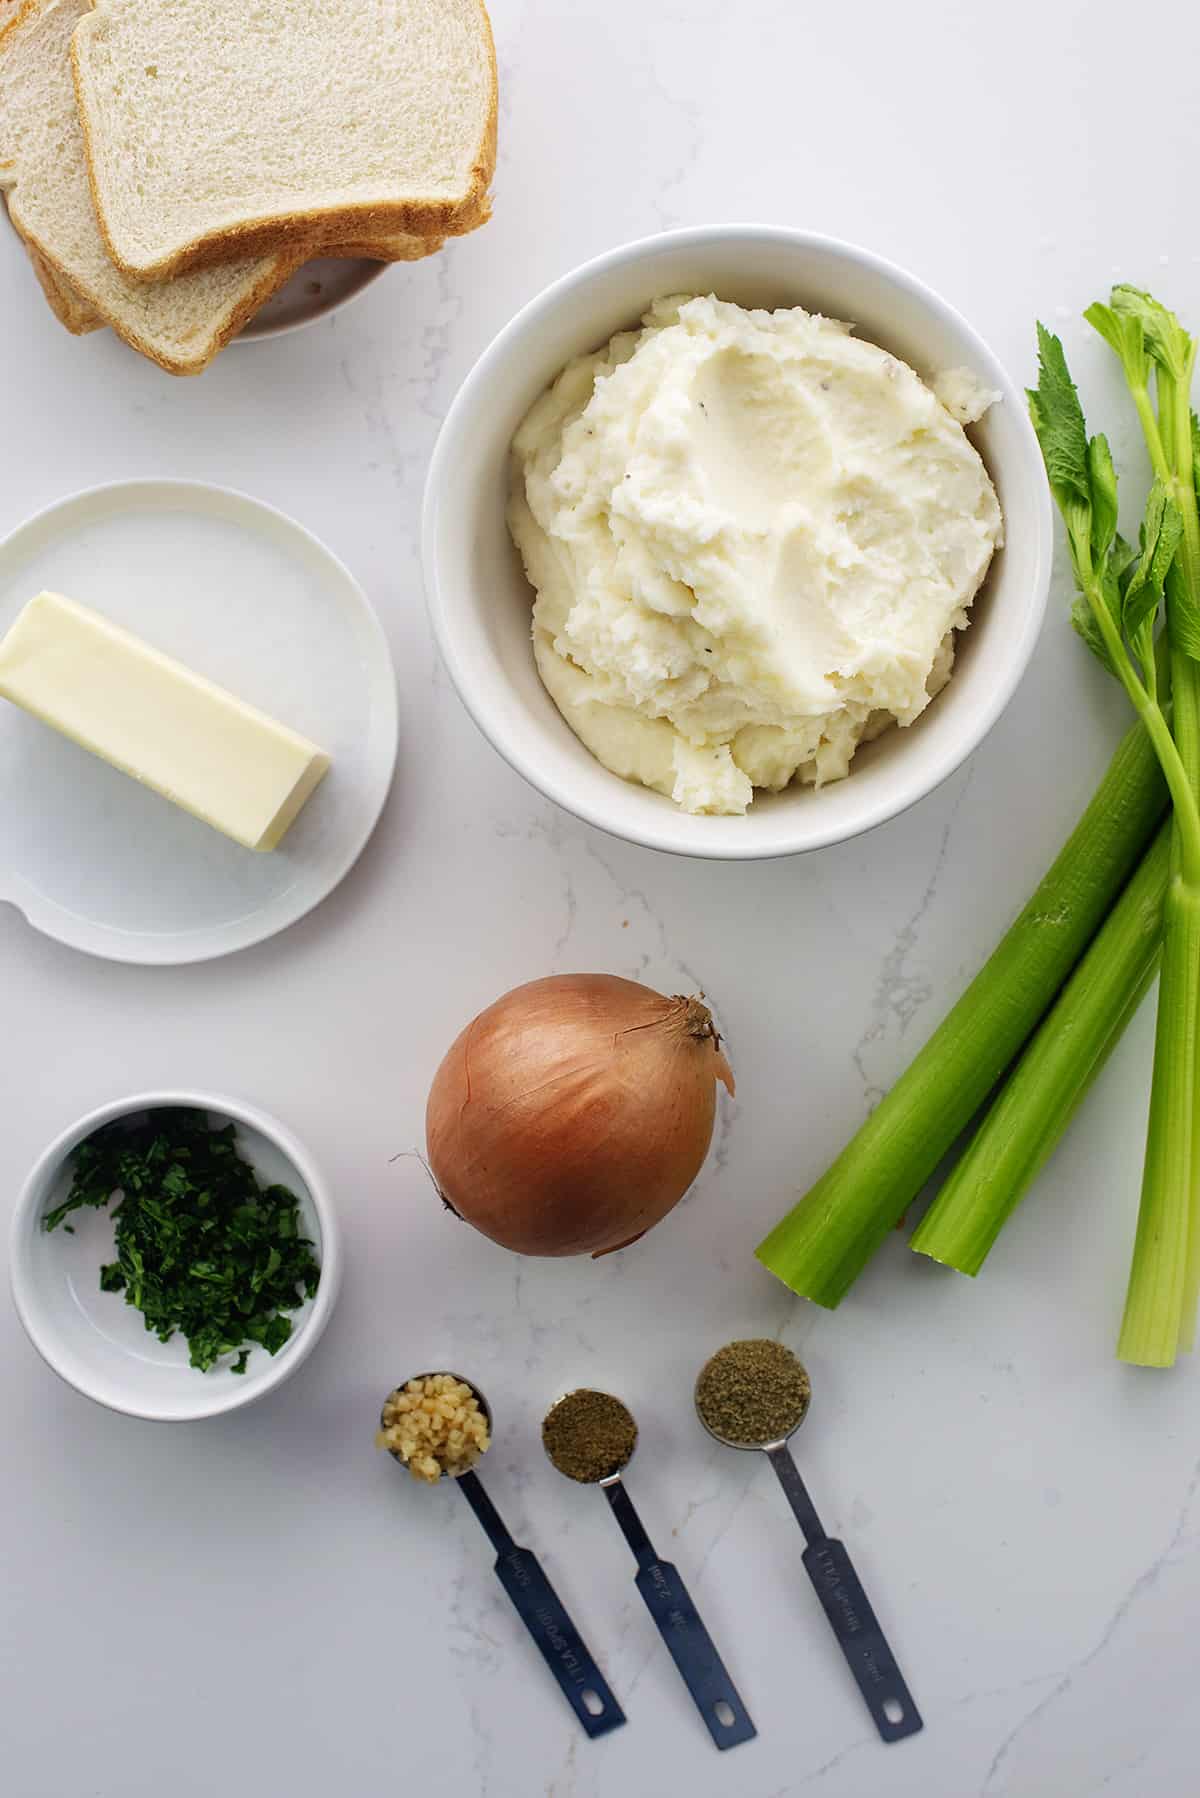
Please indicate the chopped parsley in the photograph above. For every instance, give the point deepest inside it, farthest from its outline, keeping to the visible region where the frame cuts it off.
(202, 1247)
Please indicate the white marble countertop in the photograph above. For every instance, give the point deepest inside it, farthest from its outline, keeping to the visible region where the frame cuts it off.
(260, 1604)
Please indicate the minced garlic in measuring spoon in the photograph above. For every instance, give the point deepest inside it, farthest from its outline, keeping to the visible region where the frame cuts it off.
(435, 1425)
(438, 1424)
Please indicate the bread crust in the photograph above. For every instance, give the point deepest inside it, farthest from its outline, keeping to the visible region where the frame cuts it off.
(70, 308)
(319, 228)
(12, 12)
(275, 274)
(81, 312)
(401, 248)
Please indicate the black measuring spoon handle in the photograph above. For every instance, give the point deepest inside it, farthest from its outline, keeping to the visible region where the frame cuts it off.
(694, 1653)
(863, 1643)
(851, 1618)
(558, 1641)
(547, 1619)
(679, 1624)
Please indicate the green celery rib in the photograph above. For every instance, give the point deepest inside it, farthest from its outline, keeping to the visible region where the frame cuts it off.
(1183, 988)
(1160, 1305)
(826, 1240)
(1155, 1324)
(1044, 1090)
(1184, 1019)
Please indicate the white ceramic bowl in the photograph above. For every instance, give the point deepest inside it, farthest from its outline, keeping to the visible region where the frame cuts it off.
(480, 601)
(97, 1342)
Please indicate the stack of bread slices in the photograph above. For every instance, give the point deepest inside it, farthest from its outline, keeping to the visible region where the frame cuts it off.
(170, 164)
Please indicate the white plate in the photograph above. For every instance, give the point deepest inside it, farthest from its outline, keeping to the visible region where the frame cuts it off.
(246, 596)
(315, 290)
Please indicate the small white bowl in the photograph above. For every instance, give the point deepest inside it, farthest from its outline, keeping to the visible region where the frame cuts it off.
(97, 1342)
(479, 599)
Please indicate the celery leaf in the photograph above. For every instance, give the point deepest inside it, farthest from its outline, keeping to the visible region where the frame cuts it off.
(1102, 484)
(1161, 530)
(1058, 420)
(1166, 339)
(1084, 621)
(1125, 334)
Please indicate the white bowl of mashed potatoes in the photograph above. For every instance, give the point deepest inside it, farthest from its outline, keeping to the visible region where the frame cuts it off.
(737, 541)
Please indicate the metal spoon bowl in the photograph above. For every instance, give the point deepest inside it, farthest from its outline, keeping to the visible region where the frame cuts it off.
(591, 1392)
(436, 1373)
(764, 1445)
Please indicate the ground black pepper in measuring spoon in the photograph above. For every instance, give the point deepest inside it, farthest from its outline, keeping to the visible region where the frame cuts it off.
(754, 1394)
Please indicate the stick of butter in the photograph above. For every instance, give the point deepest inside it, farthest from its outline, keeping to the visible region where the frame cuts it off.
(152, 718)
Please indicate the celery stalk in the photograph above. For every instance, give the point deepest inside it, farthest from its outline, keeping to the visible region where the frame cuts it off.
(1154, 1326)
(1185, 675)
(826, 1240)
(1042, 1094)
(1183, 598)
(1120, 593)
(1160, 1303)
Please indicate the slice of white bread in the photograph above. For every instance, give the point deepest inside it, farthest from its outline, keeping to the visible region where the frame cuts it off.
(180, 325)
(215, 128)
(79, 318)
(44, 173)
(68, 307)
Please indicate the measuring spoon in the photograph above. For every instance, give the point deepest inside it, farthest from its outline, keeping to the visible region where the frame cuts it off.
(831, 1571)
(537, 1604)
(666, 1597)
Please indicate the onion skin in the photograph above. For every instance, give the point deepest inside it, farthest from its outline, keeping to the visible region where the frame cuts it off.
(574, 1113)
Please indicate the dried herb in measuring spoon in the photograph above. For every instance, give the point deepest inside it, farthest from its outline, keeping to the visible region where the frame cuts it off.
(202, 1248)
(753, 1392)
(754, 1395)
(589, 1436)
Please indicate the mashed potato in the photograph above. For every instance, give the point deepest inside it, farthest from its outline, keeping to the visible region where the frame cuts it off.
(752, 537)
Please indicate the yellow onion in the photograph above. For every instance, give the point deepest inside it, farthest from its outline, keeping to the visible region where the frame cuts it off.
(572, 1114)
